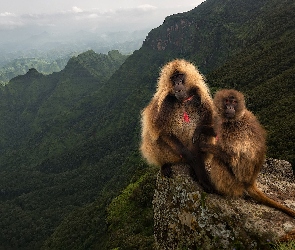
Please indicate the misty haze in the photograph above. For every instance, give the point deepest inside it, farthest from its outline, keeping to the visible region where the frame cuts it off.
(44, 36)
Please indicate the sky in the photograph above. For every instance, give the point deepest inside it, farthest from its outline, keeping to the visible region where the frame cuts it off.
(90, 15)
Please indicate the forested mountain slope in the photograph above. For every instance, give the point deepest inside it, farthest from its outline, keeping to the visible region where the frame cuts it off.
(21, 65)
(69, 141)
(55, 152)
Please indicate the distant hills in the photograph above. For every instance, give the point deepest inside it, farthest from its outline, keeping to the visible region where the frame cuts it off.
(21, 65)
(49, 52)
(69, 140)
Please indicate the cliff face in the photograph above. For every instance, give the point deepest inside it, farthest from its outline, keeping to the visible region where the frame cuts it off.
(186, 217)
(211, 33)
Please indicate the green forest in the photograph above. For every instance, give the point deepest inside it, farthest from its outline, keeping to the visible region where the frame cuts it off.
(21, 66)
(71, 175)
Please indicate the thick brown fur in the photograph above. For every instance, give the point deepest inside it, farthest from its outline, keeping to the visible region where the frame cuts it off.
(166, 137)
(239, 152)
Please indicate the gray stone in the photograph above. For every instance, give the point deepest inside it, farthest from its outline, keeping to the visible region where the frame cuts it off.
(186, 217)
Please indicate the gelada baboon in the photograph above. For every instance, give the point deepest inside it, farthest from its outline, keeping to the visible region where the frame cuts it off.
(239, 152)
(176, 119)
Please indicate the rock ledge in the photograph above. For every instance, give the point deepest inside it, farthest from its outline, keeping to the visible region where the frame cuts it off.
(186, 217)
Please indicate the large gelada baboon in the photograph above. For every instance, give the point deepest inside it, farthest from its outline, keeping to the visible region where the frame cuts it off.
(240, 150)
(176, 119)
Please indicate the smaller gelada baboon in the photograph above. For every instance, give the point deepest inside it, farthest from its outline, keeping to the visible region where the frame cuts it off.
(240, 150)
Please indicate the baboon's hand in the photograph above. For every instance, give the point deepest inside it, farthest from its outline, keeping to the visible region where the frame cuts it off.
(187, 155)
(166, 170)
(204, 146)
(208, 130)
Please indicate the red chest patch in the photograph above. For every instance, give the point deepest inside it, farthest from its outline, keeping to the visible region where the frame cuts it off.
(186, 117)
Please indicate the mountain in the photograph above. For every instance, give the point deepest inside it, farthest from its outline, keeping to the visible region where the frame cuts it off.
(55, 145)
(20, 66)
(69, 140)
(50, 46)
(48, 52)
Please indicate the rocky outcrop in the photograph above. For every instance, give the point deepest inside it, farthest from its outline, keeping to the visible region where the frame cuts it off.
(186, 217)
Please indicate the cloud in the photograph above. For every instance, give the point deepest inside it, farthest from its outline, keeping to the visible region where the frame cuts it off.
(139, 17)
(92, 16)
(10, 25)
(75, 9)
(5, 14)
(9, 21)
(146, 7)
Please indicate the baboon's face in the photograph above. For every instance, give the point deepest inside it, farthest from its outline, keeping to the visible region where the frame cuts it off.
(230, 107)
(230, 104)
(179, 87)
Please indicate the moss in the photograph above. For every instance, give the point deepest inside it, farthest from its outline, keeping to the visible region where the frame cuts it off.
(130, 215)
(285, 246)
(203, 199)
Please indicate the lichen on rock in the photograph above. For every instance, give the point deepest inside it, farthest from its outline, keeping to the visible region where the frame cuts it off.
(185, 217)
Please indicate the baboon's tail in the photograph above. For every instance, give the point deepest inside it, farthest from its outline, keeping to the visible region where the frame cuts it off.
(259, 196)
